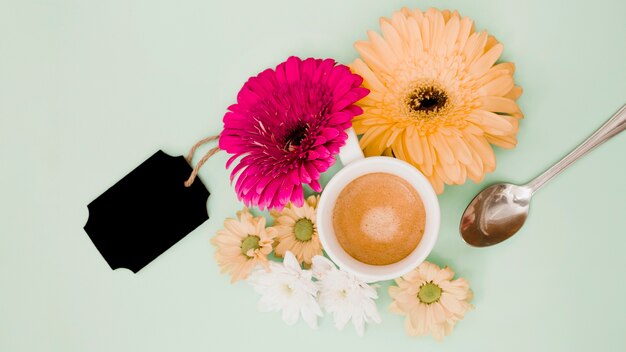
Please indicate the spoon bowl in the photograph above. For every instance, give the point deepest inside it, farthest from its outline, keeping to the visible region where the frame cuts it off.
(495, 214)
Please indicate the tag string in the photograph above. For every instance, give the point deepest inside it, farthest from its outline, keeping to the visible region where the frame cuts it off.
(206, 157)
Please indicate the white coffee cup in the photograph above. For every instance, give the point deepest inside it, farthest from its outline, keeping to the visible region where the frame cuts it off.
(356, 165)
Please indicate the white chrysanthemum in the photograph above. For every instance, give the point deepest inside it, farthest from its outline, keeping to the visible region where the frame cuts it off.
(343, 295)
(288, 289)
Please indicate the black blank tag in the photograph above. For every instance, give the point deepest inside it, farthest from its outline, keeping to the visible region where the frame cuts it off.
(146, 212)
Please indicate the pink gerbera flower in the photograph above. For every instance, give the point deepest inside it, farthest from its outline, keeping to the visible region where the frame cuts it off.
(287, 126)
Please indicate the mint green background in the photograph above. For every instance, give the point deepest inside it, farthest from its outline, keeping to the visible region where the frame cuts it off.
(89, 89)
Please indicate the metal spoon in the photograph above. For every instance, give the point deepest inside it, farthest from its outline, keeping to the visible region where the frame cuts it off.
(500, 210)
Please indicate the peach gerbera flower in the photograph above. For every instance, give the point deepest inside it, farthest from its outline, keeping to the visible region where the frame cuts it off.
(296, 231)
(432, 302)
(437, 97)
(242, 244)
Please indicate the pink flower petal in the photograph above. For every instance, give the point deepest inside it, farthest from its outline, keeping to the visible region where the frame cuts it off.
(308, 68)
(315, 185)
(292, 69)
(304, 175)
(297, 196)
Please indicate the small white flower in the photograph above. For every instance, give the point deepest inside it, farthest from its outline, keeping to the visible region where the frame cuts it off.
(345, 296)
(289, 289)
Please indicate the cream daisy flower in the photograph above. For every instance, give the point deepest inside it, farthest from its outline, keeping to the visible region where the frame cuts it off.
(432, 302)
(296, 231)
(437, 97)
(242, 244)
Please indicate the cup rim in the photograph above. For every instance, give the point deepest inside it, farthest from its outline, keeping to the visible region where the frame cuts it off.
(367, 272)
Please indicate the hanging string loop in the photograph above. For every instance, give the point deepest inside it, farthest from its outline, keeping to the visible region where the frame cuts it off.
(206, 157)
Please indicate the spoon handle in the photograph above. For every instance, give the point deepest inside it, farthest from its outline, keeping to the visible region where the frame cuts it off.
(615, 125)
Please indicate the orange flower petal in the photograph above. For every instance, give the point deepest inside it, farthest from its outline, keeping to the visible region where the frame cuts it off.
(492, 123)
(499, 104)
(484, 63)
(499, 86)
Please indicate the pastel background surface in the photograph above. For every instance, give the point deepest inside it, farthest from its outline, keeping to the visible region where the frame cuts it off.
(89, 89)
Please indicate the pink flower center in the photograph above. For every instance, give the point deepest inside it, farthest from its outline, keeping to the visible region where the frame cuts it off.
(295, 136)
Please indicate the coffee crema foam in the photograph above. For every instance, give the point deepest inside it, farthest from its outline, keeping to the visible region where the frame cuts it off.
(379, 218)
(380, 223)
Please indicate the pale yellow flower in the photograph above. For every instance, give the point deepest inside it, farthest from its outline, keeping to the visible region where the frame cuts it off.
(296, 231)
(242, 244)
(431, 301)
(437, 97)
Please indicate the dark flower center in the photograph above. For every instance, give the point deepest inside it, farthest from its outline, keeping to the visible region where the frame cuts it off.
(427, 99)
(295, 136)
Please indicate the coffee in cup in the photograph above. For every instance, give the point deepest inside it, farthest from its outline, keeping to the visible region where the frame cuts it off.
(379, 218)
